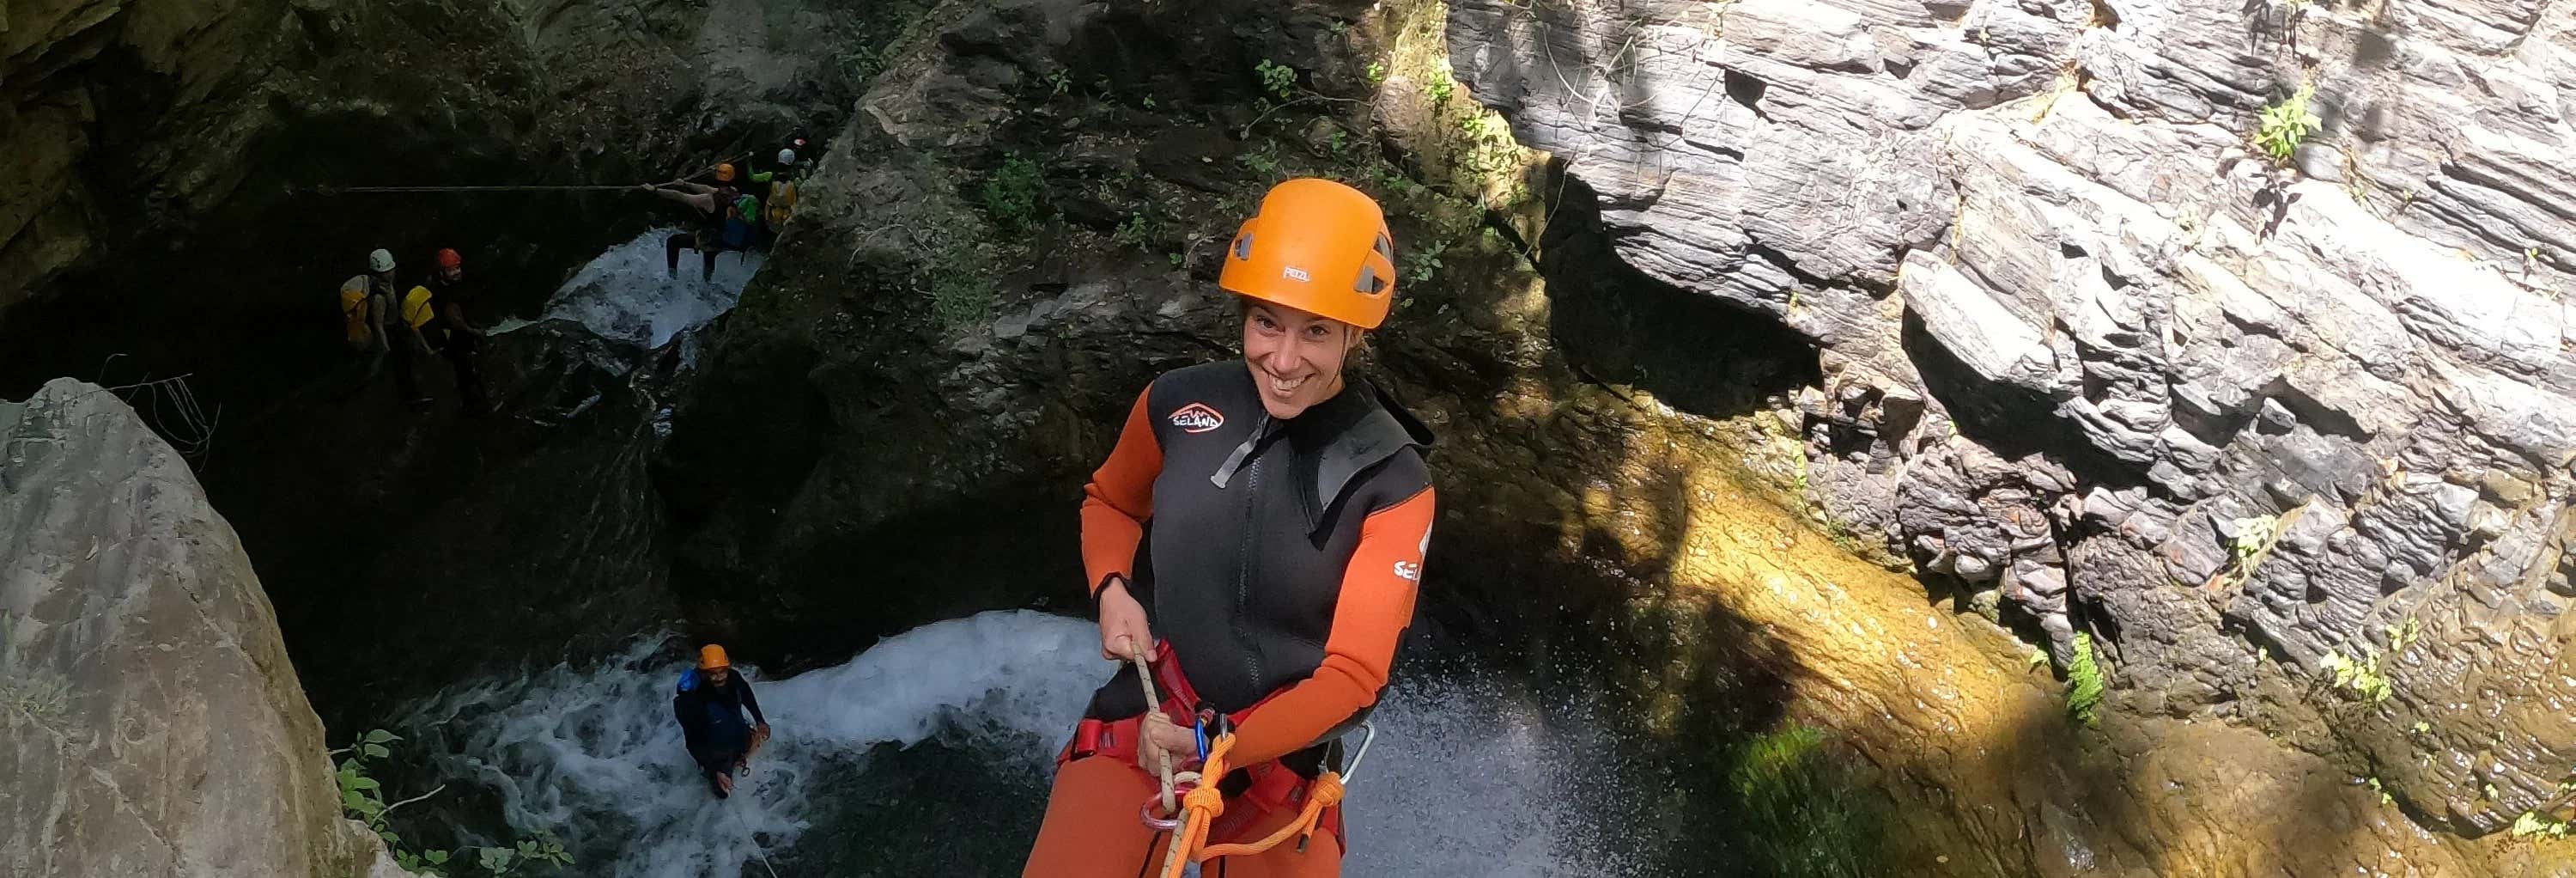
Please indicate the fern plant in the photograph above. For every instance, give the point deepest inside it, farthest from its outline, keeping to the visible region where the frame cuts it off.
(2084, 683)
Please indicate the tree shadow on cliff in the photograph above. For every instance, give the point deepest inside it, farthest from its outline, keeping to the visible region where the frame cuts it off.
(1565, 555)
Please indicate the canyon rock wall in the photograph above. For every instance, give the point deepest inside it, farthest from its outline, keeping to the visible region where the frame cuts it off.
(2088, 348)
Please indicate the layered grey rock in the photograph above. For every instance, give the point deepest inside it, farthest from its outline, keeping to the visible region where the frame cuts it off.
(2227, 415)
(150, 723)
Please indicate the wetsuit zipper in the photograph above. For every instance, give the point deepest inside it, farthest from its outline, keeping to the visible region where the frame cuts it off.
(1243, 568)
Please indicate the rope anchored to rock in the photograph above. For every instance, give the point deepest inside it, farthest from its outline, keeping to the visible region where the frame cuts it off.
(341, 190)
(577, 187)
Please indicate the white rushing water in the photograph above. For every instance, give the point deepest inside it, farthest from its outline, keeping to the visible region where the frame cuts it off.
(1466, 779)
(630, 294)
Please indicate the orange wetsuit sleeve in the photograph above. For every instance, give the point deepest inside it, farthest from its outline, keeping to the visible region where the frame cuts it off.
(1119, 498)
(1375, 606)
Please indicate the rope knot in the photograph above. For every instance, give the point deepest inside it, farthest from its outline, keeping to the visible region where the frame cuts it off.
(1326, 790)
(1204, 797)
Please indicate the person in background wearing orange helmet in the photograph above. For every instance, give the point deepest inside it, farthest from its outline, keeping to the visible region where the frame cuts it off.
(460, 337)
(1290, 510)
(714, 205)
(710, 705)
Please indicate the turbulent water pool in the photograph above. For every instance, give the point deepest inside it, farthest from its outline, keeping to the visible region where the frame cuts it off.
(932, 752)
(630, 294)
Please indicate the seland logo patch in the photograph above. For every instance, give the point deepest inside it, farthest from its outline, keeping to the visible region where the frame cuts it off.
(1197, 418)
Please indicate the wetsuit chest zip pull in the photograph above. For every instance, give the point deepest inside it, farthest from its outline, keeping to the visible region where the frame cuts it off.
(1260, 432)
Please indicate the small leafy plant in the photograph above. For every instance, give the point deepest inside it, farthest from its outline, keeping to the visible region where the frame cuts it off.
(1278, 79)
(2286, 124)
(2531, 824)
(2253, 535)
(2363, 677)
(1137, 231)
(2403, 634)
(1376, 72)
(1425, 261)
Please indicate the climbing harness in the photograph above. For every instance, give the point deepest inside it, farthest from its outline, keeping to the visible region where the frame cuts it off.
(1195, 817)
(1204, 803)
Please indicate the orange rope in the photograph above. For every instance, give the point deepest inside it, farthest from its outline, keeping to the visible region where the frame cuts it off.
(1204, 803)
(1327, 792)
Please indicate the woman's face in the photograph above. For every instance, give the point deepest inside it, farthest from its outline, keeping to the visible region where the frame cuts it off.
(1296, 357)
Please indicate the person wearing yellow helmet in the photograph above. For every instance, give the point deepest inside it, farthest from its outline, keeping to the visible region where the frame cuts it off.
(1291, 511)
(709, 705)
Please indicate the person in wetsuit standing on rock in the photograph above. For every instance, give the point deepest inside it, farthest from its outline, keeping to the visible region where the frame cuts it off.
(450, 294)
(1290, 511)
(719, 227)
(710, 705)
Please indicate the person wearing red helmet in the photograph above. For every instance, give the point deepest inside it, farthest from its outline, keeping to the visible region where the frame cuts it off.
(1290, 511)
(460, 337)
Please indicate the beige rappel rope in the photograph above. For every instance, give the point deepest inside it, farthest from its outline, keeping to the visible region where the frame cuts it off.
(1145, 675)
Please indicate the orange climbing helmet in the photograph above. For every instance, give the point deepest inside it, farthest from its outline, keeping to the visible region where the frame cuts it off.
(1317, 246)
(711, 657)
(724, 172)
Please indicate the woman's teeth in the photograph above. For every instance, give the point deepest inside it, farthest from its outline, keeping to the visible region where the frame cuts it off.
(1283, 386)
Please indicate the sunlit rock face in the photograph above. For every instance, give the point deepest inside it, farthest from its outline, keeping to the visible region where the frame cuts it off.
(2237, 417)
(150, 723)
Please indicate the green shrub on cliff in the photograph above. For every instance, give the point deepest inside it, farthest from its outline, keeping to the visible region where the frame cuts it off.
(2084, 683)
(1012, 194)
(1801, 814)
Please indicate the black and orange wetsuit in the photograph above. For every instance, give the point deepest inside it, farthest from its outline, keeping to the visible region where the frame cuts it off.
(1280, 570)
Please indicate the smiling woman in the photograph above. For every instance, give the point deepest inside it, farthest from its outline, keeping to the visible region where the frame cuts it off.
(1289, 547)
